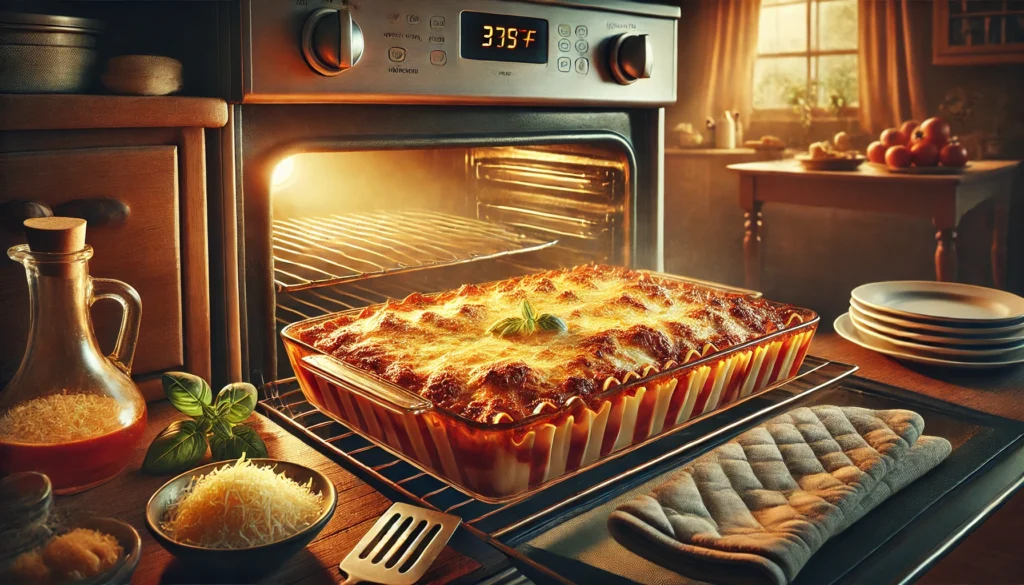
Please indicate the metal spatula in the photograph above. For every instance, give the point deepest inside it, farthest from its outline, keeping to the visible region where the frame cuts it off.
(400, 547)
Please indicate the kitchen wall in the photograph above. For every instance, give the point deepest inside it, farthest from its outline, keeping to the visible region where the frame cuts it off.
(815, 256)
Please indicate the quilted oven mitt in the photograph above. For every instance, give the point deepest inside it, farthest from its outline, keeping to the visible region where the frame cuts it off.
(754, 510)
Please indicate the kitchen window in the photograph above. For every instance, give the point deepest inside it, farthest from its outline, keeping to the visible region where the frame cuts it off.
(807, 53)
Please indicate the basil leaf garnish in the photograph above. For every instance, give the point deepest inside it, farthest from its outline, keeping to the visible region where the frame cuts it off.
(235, 402)
(528, 324)
(244, 439)
(179, 447)
(189, 394)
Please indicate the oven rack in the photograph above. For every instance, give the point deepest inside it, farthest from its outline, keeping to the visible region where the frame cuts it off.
(311, 252)
(284, 402)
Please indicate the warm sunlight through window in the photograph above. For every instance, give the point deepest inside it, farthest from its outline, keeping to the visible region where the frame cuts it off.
(806, 52)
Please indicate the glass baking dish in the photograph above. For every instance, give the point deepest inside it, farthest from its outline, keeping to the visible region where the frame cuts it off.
(499, 462)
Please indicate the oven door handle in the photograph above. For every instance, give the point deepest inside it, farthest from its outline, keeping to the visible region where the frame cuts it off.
(377, 390)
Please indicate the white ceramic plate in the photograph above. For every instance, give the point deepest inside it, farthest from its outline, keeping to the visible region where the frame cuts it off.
(942, 303)
(859, 318)
(970, 332)
(845, 328)
(938, 351)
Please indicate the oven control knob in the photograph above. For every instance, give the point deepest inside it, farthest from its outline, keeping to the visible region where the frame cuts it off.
(331, 41)
(632, 58)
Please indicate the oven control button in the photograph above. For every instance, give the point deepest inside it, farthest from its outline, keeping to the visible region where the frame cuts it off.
(396, 54)
(582, 66)
(564, 64)
(438, 58)
(564, 30)
(581, 31)
(437, 22)
(564, 45)
(582, 46)
(631, 57)
(413, 19)
(331, 41)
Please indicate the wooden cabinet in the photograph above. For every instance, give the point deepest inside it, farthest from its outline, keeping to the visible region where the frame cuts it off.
(135, 169)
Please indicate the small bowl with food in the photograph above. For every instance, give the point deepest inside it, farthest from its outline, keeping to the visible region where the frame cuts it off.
(837, 155)
(97, 551)
(252, 513)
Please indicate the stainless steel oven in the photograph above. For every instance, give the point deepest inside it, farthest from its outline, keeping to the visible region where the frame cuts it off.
(390, 146)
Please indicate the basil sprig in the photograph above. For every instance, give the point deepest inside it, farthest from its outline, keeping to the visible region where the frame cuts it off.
(215, 425)
(528, 324)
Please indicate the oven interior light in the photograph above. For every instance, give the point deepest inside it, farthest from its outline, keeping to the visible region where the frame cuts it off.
(283, 172)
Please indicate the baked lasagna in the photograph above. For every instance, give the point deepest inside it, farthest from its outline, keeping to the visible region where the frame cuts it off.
(608, 322)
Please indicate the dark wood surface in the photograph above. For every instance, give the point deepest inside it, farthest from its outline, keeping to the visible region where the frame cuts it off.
(991, 555)
(78, 111)
(359, 506)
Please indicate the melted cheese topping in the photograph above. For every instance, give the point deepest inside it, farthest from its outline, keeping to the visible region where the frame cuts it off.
(61, 418)
(240, 506)
(619, 321)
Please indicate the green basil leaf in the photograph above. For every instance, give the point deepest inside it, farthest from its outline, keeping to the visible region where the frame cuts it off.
(179, 447)
(507, 326)
(527, 309)
(549, 322)
(245, 439)
(221, 428)
(205, 423)
(235, 402)
(188, 393)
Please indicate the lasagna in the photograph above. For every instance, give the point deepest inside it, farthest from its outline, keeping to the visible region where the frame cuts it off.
(614, 322)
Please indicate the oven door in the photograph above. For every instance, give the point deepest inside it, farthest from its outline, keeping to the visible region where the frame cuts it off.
(341, 206)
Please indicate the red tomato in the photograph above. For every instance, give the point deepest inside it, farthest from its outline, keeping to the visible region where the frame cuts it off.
(953, 155)
(898, 157)
(908, 127)
(893, 137)
(924, 154)
(935, 130)
(876, 152)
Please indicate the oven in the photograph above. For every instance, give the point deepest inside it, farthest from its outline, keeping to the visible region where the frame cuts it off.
(388, 147)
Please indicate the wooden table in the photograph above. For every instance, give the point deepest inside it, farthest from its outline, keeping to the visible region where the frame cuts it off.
(359, 506)
(943, 198)
(991, 554)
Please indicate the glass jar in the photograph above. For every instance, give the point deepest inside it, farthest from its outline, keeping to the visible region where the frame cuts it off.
(71, 412)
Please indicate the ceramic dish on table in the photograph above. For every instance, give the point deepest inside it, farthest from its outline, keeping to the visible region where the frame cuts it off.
(253, 558)
(929, 170)
(918, 326)
(830, 164)
(902, 331)
(948, 304)
(846, 329)
(985, 352)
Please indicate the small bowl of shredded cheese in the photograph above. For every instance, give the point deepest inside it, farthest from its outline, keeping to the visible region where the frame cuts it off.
(257, 512)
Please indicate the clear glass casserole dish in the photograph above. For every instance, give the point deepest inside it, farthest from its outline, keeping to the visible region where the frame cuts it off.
(502, 461)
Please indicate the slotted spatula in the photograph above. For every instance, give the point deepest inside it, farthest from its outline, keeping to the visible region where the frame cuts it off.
(400, 547)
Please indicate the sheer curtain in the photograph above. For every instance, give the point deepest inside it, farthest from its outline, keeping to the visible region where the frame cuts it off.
(728, 43)
(890, 62)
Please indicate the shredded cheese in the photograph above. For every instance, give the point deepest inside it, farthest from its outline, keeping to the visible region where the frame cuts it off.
(241, 506)
(61, 418)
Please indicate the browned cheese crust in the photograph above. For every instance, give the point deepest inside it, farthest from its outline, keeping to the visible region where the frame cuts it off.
(619, 321)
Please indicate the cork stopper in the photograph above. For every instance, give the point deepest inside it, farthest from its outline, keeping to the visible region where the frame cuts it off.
(56, 235)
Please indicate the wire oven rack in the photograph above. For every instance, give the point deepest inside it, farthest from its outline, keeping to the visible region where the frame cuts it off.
(312, 252)
(500, 523)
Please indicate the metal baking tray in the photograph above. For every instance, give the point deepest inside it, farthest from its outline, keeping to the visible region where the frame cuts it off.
(895, 543)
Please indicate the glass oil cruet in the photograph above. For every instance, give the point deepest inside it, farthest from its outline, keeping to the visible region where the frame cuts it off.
(70, 412)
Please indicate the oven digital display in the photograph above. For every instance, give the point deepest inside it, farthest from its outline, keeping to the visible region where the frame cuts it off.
(500, 37)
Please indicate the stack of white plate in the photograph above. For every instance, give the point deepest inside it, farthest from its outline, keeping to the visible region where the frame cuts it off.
(937, 323)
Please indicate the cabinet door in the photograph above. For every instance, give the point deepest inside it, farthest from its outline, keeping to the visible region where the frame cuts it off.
(143, 250)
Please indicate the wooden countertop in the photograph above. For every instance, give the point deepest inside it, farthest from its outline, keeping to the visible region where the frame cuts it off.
(81, 111)
(359, 506)
(869, 172)
(991, 554)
